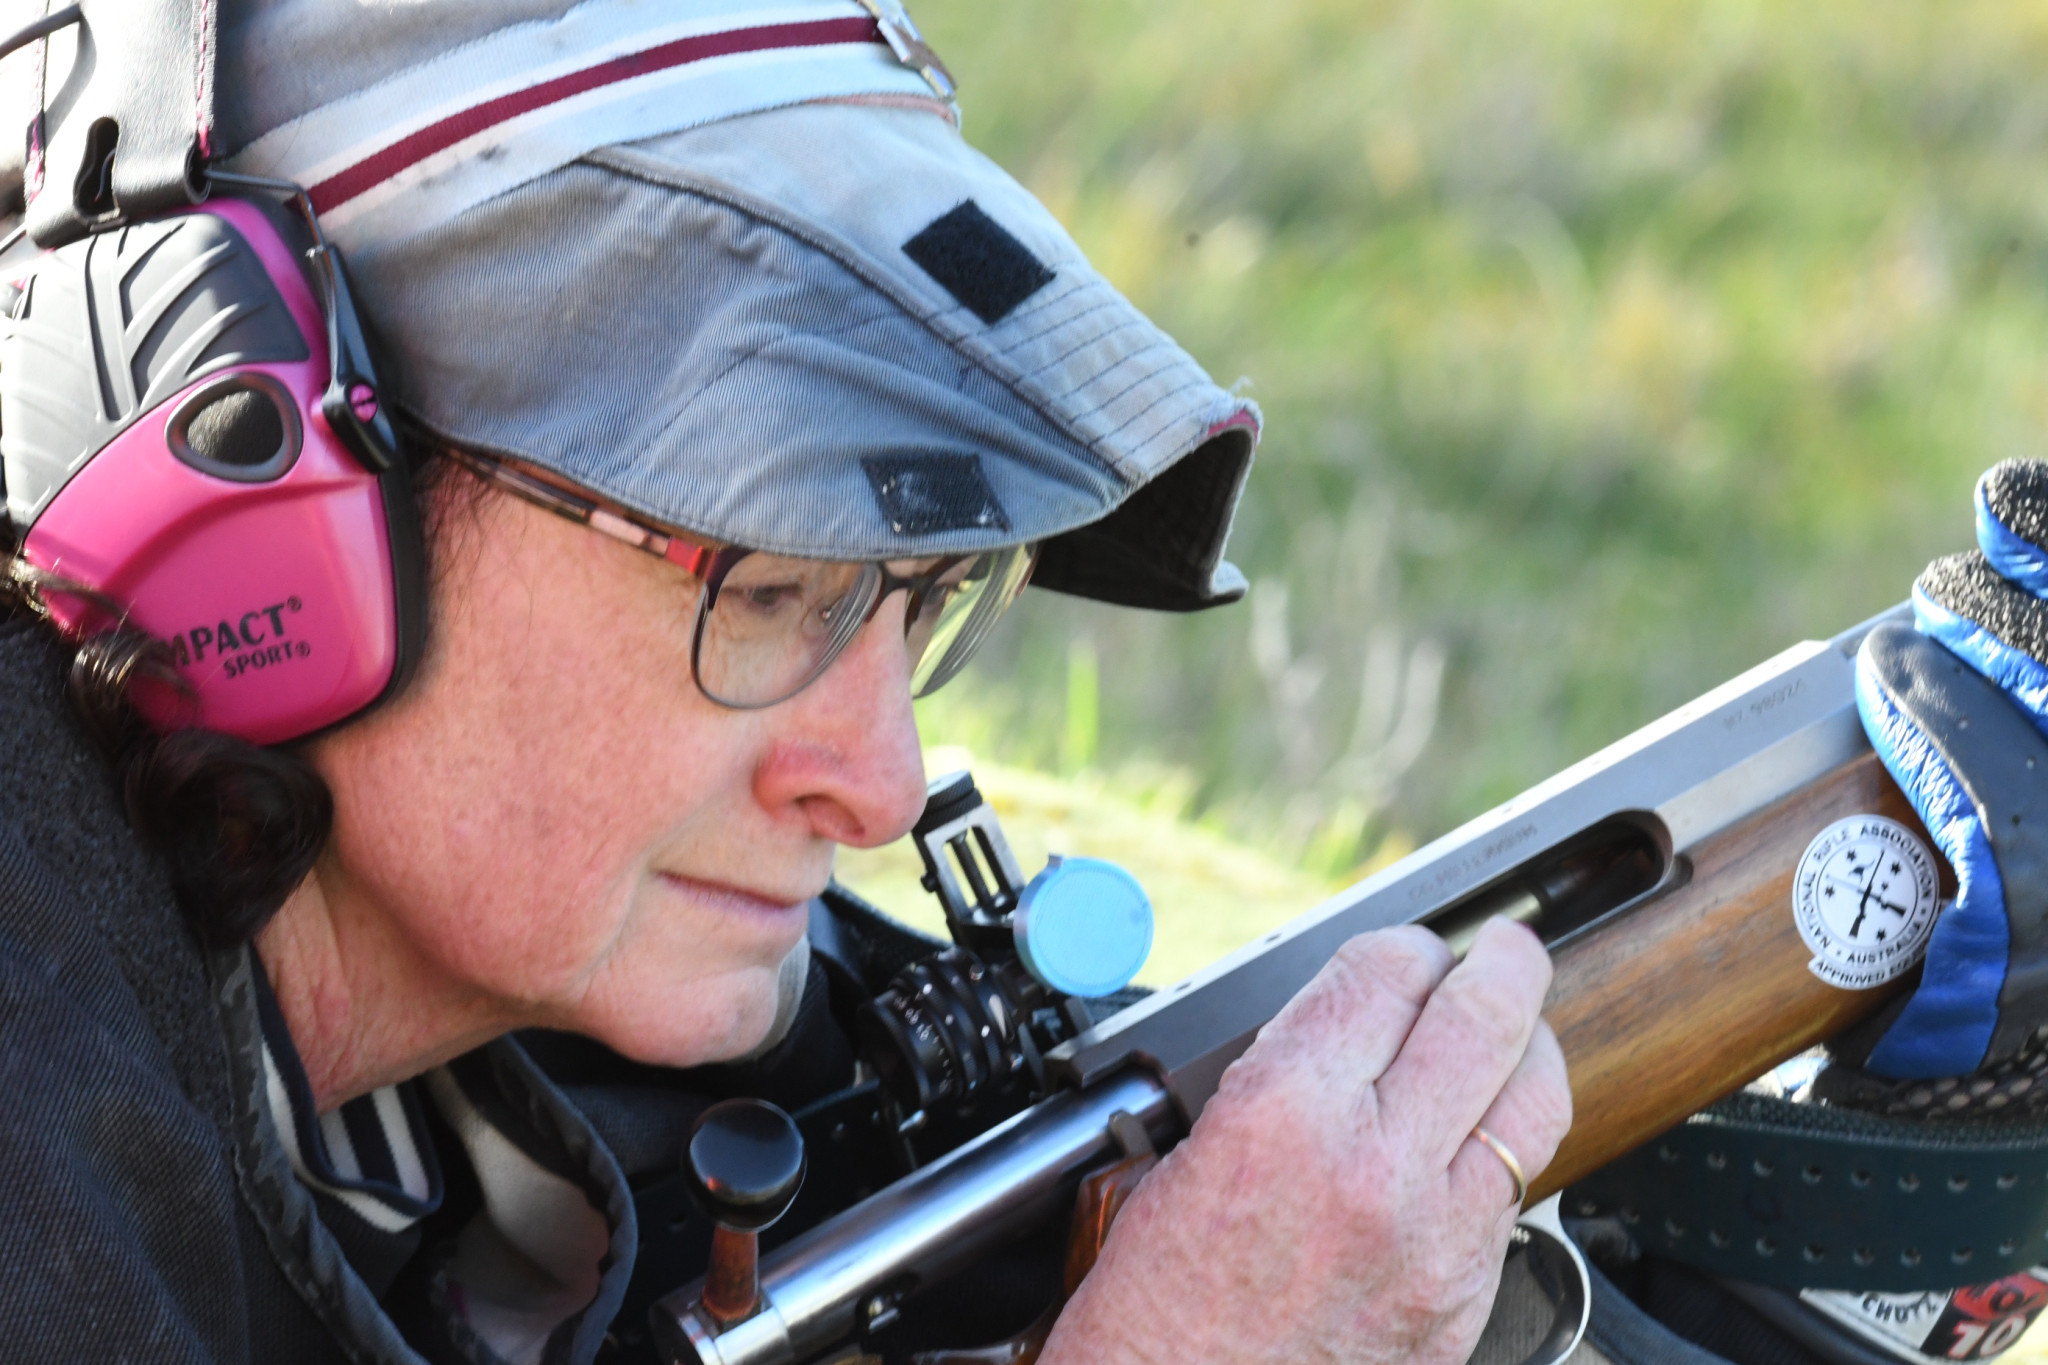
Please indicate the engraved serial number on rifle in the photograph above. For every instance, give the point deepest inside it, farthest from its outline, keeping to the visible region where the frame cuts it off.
(1769, 701)
(1474, 861)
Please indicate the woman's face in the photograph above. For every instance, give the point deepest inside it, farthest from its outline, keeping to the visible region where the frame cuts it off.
(554, 817)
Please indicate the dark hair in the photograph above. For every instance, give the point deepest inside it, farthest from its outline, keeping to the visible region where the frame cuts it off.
(238, 826)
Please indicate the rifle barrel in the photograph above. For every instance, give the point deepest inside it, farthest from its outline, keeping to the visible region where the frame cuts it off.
(1659, 872)
(850, 1271)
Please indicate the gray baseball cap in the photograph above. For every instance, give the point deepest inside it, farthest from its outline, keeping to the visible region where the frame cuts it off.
(732, 265)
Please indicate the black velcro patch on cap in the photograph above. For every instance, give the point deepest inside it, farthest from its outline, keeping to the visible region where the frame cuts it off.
(920, 494)
(981, 265)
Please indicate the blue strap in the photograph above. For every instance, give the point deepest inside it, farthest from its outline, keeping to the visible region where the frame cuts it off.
(1946, 1027)
(1976, 768)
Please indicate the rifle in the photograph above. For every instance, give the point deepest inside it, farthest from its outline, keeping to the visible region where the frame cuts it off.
(1658, 872)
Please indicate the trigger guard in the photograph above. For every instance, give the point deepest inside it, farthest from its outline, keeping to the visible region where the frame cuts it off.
(1566, 1266)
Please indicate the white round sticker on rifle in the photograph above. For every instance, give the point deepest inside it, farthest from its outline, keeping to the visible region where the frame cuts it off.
(1865, 898)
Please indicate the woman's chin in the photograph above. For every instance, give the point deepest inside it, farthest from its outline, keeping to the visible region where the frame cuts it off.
(706, 1021)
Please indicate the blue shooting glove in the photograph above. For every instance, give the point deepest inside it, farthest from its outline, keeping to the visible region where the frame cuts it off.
(1957, 709)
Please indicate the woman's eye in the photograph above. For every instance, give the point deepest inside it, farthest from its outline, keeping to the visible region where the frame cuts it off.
(769, 598)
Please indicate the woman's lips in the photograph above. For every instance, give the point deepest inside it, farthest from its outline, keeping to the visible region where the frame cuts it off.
(733, 899)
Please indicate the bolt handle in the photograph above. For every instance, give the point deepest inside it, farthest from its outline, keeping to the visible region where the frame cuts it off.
(745, 1163)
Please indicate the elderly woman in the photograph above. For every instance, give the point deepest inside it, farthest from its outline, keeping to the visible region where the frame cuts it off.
(735, 396)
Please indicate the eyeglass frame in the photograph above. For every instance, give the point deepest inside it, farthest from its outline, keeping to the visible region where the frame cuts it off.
(707, 561)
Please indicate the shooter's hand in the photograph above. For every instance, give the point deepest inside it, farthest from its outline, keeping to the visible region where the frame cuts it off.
(1331, 1204)
(1957, 711)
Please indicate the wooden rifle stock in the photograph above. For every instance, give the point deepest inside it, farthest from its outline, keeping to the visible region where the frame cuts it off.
(1661, 872)
(1668, 1008)
(1660, 1011)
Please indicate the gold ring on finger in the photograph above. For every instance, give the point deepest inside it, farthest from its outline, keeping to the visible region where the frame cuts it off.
(1507, 1159)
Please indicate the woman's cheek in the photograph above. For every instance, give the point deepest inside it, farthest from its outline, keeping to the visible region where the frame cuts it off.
(543, 940)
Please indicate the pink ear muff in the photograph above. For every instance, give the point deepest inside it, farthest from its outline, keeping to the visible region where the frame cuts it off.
(226, 516)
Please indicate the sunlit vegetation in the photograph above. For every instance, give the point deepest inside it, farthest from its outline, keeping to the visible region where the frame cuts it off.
(1605, 349)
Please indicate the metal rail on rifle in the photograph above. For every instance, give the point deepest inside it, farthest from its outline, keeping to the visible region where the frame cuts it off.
(1692, 815)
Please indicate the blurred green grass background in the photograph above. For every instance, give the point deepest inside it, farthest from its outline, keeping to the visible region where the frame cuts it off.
(1605, 349)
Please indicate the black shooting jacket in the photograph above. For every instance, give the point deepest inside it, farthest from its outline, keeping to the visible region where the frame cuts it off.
(148, 1210)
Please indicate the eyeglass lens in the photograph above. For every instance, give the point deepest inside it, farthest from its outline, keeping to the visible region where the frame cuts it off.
(771, 624)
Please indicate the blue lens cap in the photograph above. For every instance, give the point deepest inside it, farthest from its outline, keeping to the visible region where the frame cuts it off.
(1083, 926)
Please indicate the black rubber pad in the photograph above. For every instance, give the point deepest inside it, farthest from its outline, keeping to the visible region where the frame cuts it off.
(2017, 491)
(979, 263)
(1968, 586)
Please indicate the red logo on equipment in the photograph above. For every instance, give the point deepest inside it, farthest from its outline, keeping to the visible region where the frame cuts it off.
(1984, 1319)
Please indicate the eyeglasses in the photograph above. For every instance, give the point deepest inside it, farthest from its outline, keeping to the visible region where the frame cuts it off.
(768, 625)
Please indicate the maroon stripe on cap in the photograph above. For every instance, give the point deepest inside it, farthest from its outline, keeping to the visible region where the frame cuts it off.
(345, 185)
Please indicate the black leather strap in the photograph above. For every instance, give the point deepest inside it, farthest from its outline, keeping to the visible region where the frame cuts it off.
(143, 86)
(1805, 1196)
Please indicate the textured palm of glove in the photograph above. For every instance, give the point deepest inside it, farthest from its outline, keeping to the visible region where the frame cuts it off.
(1961, 724)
